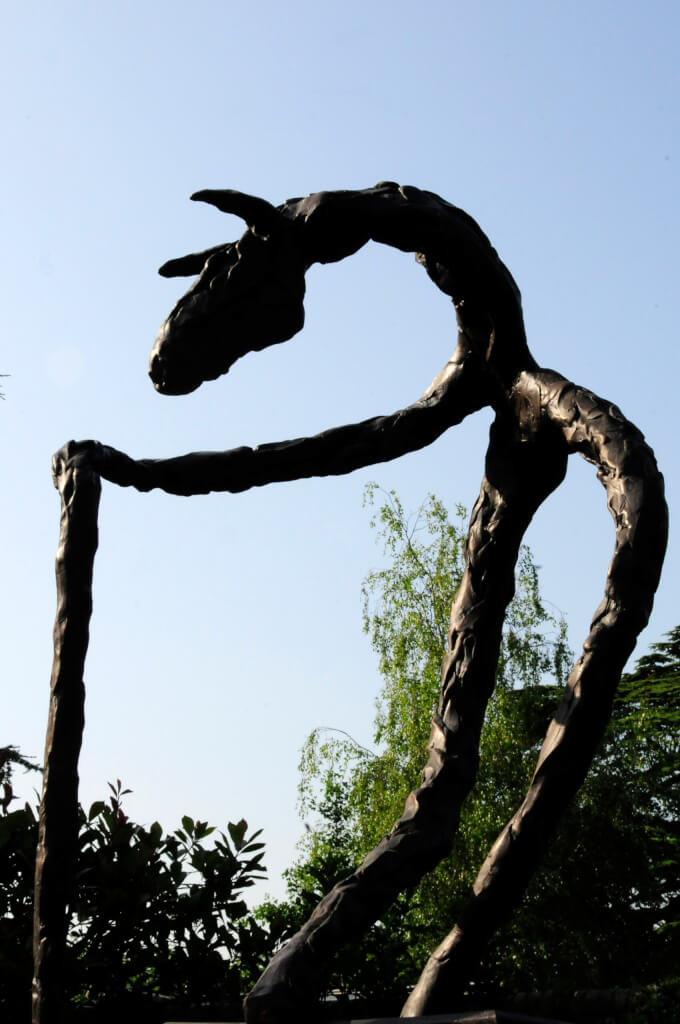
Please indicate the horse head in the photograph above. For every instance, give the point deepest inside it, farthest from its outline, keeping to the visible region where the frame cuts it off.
(248, 295)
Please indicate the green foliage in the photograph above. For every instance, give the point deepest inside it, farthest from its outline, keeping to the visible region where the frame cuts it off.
(603, 910)
(18, 834)
(406, 607)
(611, 877)
(156, 912)
(9, 758)
(153, 913)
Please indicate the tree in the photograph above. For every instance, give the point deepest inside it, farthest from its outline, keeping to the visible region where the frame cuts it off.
(18, 836)
(152, 914)
(647, 715)
(600, 912)
(611, 878)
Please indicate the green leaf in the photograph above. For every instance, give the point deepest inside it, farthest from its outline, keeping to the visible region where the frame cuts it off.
(237, 832)
(96, 809)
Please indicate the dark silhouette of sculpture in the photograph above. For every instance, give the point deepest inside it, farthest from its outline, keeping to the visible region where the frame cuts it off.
(249, 295)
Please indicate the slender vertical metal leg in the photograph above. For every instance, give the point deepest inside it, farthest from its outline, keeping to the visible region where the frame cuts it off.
(79, 488)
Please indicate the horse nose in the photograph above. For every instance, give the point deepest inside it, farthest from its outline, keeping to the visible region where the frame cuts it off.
(156, 371)
(171, 377)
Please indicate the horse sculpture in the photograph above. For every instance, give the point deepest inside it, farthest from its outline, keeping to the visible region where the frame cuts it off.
(249, 295)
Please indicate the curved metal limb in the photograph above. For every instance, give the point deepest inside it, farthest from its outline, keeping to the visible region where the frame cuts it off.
(635, 497)
(458, 390)
(519, 476)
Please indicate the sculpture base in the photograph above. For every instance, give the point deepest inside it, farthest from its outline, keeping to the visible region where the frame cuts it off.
(471, 1017)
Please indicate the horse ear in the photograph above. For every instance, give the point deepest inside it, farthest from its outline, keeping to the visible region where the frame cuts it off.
(258, 214)
(186, 266)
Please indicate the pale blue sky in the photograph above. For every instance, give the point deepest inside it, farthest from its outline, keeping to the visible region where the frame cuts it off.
(225, 628)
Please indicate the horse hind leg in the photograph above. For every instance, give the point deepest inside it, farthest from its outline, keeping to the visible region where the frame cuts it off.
(635, 496)
(566, 755)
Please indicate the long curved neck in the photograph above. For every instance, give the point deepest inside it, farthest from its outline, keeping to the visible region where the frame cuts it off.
(454, 250)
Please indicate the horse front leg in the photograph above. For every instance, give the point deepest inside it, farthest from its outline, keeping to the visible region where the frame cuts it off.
(519, 475)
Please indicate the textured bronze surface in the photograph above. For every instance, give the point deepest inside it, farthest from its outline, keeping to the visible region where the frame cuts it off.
(79, 489)
(249, 295)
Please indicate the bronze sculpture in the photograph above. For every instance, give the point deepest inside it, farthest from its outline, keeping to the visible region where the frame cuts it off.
(249, 295)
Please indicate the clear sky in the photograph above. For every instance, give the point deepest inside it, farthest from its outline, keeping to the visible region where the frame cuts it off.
(225, 628)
